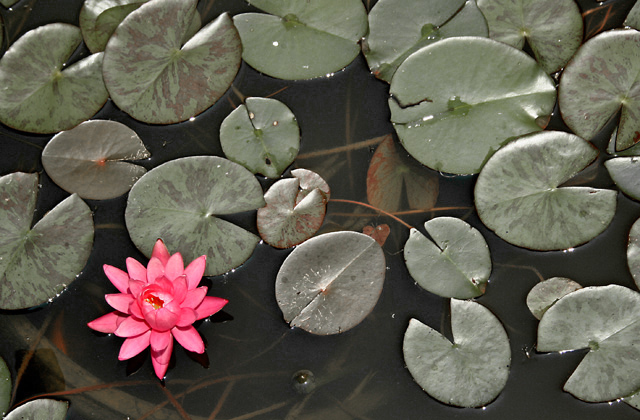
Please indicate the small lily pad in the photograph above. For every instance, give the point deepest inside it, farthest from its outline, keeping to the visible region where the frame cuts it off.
(5, 387)
(89, 159)
(471, 371)
(625, 172)
(548, 292)
(330, 283)
(40, 409)
(262, 135)
(633, 252)
(456, 264)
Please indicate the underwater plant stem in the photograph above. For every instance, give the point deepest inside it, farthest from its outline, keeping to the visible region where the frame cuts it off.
(397, 219)
(175, 402)
(348, 147)
(523, 267)
(221, 401)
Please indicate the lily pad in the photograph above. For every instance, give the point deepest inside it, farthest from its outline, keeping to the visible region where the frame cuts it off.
(633, 252)
(155, 77)
(398, 28)
(89, 159)
(8, 3)
(42, 408)
(5, 387)
(452, 116)
(602, 79)
(300, 39)
(37, 263)
(40, 94)
(633, 18)
(548, 292)
(330, 283)
(606, 320)
(471, 371)
(262, 135)
(552, 28)
(180, 201)
(625, 172)
(455, 264)
(517, 194)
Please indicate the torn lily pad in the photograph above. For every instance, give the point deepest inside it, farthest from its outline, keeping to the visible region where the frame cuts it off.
(546, 293)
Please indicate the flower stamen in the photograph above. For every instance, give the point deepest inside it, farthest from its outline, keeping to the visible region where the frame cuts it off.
(155, 301)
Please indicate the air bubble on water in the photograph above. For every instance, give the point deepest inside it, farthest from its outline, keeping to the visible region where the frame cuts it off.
(303, 381)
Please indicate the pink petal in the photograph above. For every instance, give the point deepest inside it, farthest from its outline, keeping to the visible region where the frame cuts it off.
(136, 270)
(163, 319)
(107, 323)
(174, 267)
(194, 271)
(119, 278)
(119, 301)
(134, 345)
(160, 360)
(189, 338)
(187, 317)
(131, 327)
(159, 340)
(155, 270)
(160, 252)
(194, 297)
(136, 286)
(209, 306)
(134, 310)
(180, 288)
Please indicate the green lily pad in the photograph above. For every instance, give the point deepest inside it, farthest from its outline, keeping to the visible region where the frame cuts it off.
(8, 3)
(5, 387)
(262, 135)
(602, 79)
(330, 283)
(40, 409)
(36, 264)
(625, 172)
(605, 320)
(299, 39)
(517, 194)
(452, 116)
(398, 28)
(155, 77)
(39, 94)
(633, 252)
(553, 28)
(548, 292)
(179, 201)
(456, 264)
(89, 159)
(471, 371)
(633, 18)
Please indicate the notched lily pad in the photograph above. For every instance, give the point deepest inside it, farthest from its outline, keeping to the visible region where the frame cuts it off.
(625, 172)
(42, 408)
(544, 294)
(330, 283)
(90, 159)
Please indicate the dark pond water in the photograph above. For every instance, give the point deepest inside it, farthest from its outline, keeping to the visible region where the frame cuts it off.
(255, 366)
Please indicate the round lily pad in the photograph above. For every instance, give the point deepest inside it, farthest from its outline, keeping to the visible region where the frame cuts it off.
(548, 292)
(40, 94)
(42, 408)
(155, 77)
(452, 116)
(330, 283)
(90, 159)
(517, 194)
(262, 135)
(300, 39)
(37, 263)
(471, 371)
(455, 264)
(5, 387)
(179, 202)
(625, 172)
(633, 252)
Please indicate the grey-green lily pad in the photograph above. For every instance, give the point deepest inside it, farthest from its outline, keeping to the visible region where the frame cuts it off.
(471, 371)
(602, 79)
(330, 283)
(8, 3)
(180, 201)
(90, 159)
(606, 320)
(625, 172)
(37, 263)
(633, 400)
(40, 409)
(633, 252)
(156, 77)
(544, 294)
(40, 94)
(398, 28)
(517, 194)
(455, 264)
(452, 116)
(552, 28)
(633, 18)
(262, 135)
(299, 39)
(5, 387)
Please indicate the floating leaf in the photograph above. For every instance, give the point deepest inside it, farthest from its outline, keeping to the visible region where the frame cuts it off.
(299, 39)
(330, 283)
(380, 233)
(262, 135)
(548, 292)
(456, 264)
(37, 263)
(154, 78)
(471, 371)
(625, 172)
(390, 170)
(88, 159)
(553, 28)
(517, 194)
(633, 252)
(602, 78)
(398, 28)
(633, 400)
(633, 18)
(39, 94)
(5, 387)
(452, 116)
(40, 409)
(605, 320)
(8, 3)
(178, 202)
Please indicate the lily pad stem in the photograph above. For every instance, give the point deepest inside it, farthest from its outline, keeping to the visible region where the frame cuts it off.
(397, 219)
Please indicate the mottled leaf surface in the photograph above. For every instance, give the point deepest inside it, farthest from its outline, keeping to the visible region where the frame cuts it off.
(471, 371)
(178, 202)
(262, 135)
(625, 172)
(455, 264)
(633, 252)
(37, 263)
(40, 94)
(546, 293)
(330, 283)
(633, 18)
(452, 116)
(40, 409)
(90, 159)
(517, 194)
(5, 387)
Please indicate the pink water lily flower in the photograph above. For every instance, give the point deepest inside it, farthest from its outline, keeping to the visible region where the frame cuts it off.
(157, 304)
